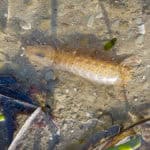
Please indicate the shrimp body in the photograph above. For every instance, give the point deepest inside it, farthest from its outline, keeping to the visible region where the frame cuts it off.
(99, 71)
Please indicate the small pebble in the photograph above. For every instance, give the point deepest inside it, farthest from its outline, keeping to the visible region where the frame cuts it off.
(90, 21)
(26, 26)
(144, 77)
(135, 99)
(51, 138)
(23, 51)
(88, 114)
(99, 16)
(100, 112)
(5, 15)
(22, 54)
(75, 89)
(22, 48)
(72, 131)
(58, 132)
(95, 94)
(67, 91)
(148, 66)
(141, 29)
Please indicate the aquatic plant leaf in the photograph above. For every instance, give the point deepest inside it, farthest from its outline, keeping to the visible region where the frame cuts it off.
(16, 94)
(10, 108)
(130, 131)
(16, 105)
(133, 144)
(5, 80)
(108, 45)
(13, 101)
(2, 117)
(10, 123)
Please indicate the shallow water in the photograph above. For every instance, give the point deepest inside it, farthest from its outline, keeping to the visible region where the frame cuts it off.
(79, 26)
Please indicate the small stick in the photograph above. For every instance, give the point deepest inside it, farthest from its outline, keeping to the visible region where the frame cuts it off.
(123, 131)
(24, 129)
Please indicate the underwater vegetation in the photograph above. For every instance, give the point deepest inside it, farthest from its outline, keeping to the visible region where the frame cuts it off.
(6, 80)
(2, 117)
(133, 144)
(110, 44)
(130, 138)
(13, 101)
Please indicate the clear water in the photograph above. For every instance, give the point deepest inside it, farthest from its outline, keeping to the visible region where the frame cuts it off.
(79, 26)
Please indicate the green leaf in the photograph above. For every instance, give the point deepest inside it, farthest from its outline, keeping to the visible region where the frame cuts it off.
(2, 117)
(108, 45)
